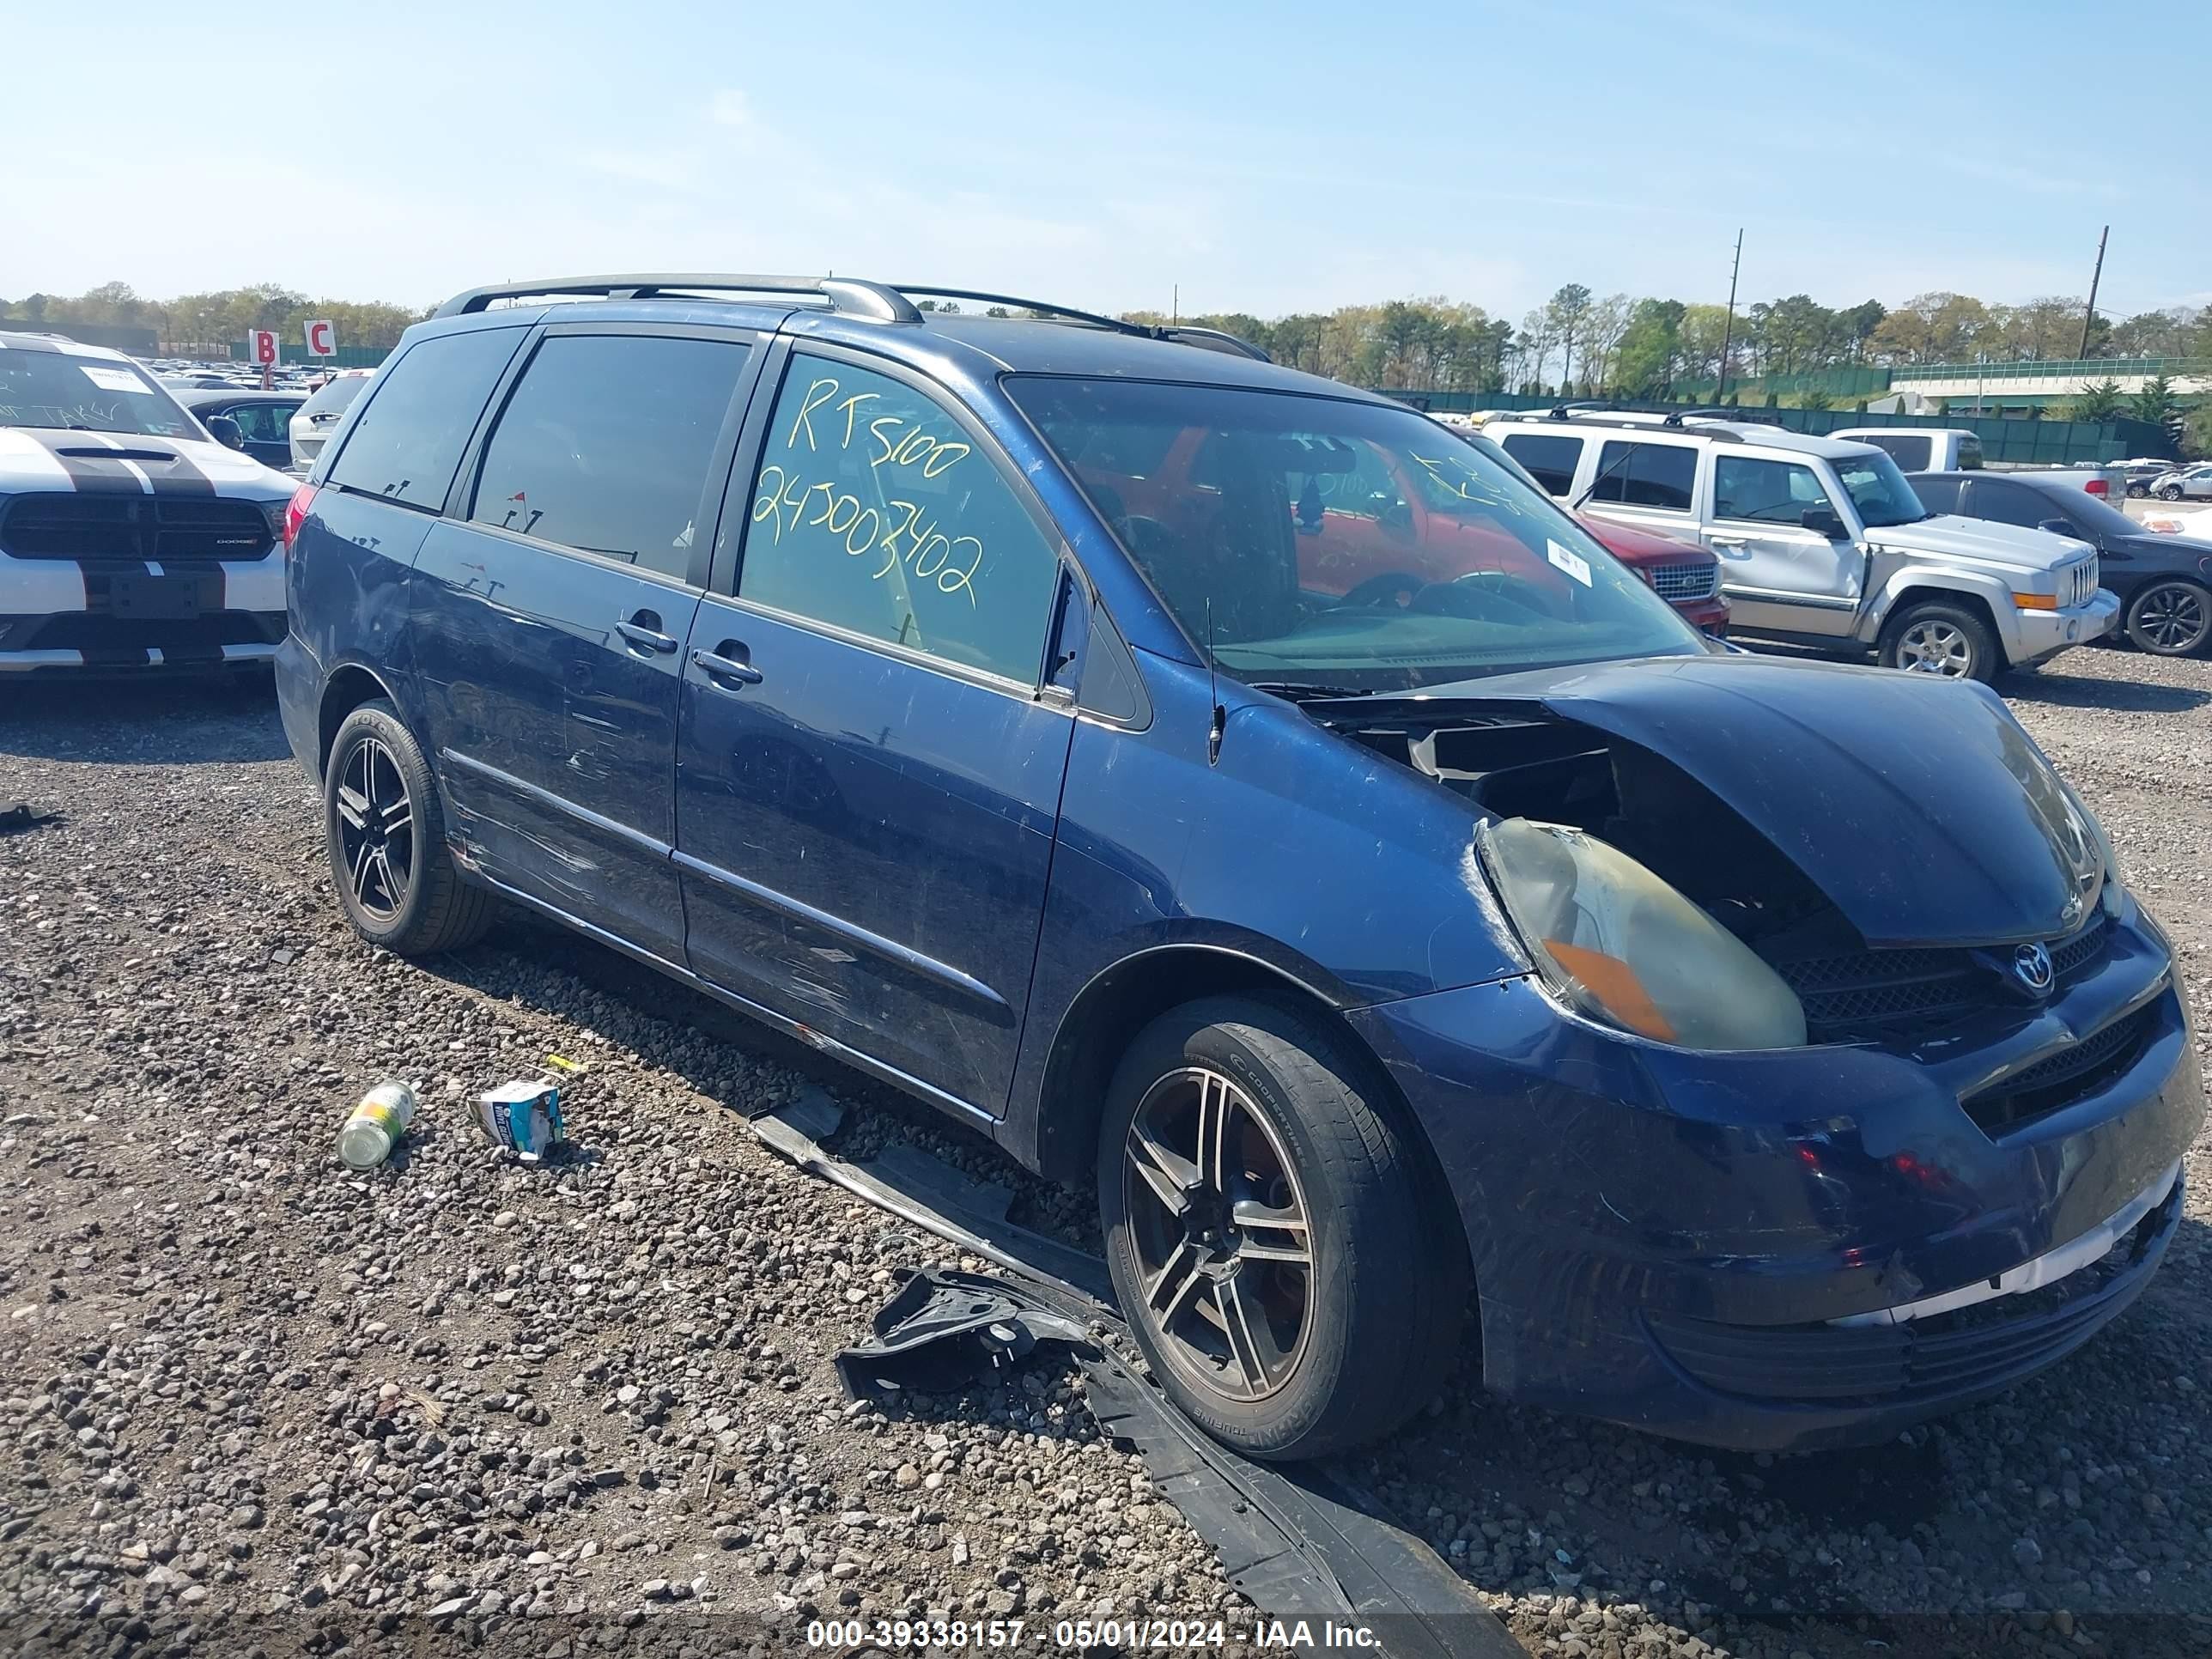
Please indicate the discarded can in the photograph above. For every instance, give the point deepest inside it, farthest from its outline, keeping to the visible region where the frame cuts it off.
(523, 1117)
(376, 1125)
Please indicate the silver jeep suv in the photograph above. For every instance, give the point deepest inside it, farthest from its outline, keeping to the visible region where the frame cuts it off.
(1822, 542)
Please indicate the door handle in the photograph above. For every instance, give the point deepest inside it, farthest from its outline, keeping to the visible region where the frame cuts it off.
(1728, 541)
(643, 630)
(726, 672)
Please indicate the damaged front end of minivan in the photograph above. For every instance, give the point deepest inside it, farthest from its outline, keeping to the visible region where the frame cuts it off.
(1850, 1085)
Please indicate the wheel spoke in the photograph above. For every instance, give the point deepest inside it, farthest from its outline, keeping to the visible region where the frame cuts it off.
(1213, 1109)
(353, 808)
(1271, 1235)
(1237, 1324)
(394, 815)
(1169, 1292)
(362, 856)
(1171, 1176)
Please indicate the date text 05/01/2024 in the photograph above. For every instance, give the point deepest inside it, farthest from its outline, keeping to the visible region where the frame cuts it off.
(1127, 1635)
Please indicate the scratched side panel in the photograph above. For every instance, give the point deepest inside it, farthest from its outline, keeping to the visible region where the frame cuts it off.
(556, 741)
(872, 841)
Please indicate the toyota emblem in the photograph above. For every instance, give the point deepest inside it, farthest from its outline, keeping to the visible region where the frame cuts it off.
(2031, 966)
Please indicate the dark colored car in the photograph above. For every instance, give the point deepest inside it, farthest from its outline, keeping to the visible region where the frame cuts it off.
(262, 419)
(2163, 583)
(1771, 1044)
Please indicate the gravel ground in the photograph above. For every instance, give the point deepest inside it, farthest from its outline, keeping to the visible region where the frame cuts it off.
(461, 1396)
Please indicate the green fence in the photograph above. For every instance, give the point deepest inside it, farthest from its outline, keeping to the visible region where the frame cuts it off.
(2012, 439)
(2074, 368)
(1844, 383)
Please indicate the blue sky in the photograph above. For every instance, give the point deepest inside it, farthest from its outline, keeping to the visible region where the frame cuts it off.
(1261, 158)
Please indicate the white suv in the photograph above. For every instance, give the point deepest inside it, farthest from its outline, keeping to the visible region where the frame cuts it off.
(1822, 542)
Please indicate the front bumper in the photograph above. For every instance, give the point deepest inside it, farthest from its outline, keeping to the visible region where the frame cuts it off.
(1666, 1239)
(1709, 617)
(2037, 636)
(126, 615)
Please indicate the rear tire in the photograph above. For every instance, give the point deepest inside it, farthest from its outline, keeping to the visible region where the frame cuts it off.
(2170, 618)
(1935, 637)
(1307, 1296)
(384, 829)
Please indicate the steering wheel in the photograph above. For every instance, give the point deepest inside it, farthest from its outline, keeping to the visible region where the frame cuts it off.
(1142, 536)
(1387, 586)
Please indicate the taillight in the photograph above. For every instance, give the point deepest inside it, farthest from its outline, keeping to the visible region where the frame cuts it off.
(296, 513)
(2097, 487)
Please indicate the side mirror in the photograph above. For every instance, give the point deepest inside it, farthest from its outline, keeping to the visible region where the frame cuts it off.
(224, 431)
(2057, 527)
(1823, 520)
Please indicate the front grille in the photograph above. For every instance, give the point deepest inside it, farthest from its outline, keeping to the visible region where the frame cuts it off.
(1968, 1350)
(2064, 1078)
(2080, 582)
(165, 529)
(1902, 994)
(1676, 582)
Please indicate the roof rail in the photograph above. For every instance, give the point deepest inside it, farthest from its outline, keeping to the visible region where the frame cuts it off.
(1561, 411)
(1210, 339)
(887, 302)
(845, 294)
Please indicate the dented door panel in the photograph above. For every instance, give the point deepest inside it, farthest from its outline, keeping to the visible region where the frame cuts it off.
(555, 733)
(864, 842)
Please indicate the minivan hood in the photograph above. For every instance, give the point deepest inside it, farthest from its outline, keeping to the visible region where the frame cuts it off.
(1980, 540)
(34, 458)
(1917, 804)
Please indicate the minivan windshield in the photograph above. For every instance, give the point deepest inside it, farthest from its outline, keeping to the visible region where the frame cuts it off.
(91, 394)
(1879, 490)
(1351, 545)
(333, 396)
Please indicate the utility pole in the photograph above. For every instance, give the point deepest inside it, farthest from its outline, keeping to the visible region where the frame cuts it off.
(1728, 329)
(1175, 303)
(2089, 316)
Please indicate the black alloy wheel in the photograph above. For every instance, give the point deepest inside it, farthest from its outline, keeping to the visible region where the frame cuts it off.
(384, 831)
(1283, 1245)
(2170, 618)
(376, 830)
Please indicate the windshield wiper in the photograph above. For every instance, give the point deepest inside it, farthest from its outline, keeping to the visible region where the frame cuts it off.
(1304, 691)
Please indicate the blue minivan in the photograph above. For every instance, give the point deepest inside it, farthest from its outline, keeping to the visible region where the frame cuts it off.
(1239, 792)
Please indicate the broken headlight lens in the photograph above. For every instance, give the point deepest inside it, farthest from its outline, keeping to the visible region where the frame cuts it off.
(1622, 946)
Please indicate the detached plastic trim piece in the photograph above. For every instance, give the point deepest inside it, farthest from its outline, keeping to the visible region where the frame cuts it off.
(1300, 1543)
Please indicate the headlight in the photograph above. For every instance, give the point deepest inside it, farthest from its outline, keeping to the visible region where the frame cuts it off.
(1616, 942)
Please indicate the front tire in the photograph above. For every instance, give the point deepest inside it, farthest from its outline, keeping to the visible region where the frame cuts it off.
(384, 831)
(1937, 638)
(2171, 492)
(1283, 1251)
(2170, 618)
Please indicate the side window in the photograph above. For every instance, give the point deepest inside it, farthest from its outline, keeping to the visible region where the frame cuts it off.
(1938, 495)
(2009, 503)
(1970, 453)
(1550, 461)
(407, 442)
(604, 444)
(873, 512)
(1646, 475)
(1911, 451)
(1766, 492)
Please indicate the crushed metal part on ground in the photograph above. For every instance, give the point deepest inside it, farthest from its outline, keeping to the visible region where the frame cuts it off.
(621, 1400)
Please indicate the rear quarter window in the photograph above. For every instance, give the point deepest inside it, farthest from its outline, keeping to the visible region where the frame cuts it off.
(406, 443)
(1909, 451)
(1549, 459)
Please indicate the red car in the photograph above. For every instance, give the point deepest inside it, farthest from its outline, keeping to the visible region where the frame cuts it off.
(1686, 577)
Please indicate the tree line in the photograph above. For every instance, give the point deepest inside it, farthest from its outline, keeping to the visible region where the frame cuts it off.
(1623, 346)
(1575, 342)
(215, 319)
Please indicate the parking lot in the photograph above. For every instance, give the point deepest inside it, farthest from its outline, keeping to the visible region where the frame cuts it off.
(464, 1396)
